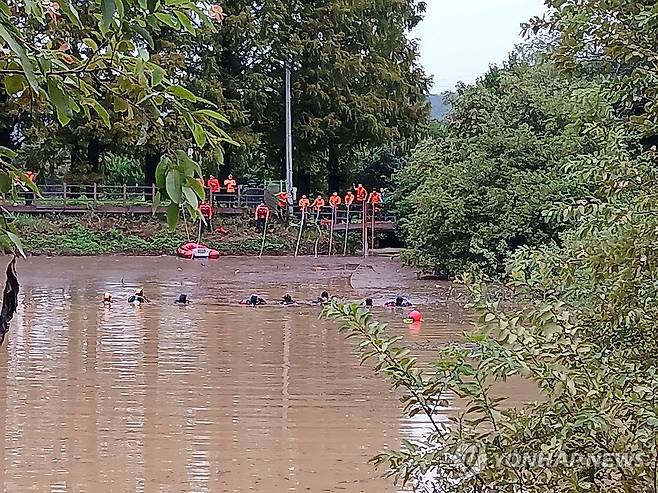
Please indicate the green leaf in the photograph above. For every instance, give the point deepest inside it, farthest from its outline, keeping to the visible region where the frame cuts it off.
(219, 154)
(7, 152)
(157, 76)
(174, 182)
(120, 105)
(173, 212)
(91, 43)
(61, 102)
(17, 242)
(120, 9)
(181, 92)
(152, 5)
(5, 182)
(198, 189)
(199, 135)
(161, 172)
(191, 197)
(167, 19)
(191, 167)
(146, 36)
(22, 56)
(14, 83)
(70, 12)
(109, 8)
(102, 112)
(213, 114)
(185, 21)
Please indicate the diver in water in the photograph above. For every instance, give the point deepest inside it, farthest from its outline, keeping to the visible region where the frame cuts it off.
(107, 298)
(399, 302)
(324, 298)
(138, 298)
(182, 300)
(253, 300)
(287, 300)
(367, 303)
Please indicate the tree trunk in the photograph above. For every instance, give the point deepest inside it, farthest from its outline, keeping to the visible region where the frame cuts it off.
(6, 125)
(303, 182)
(151, 162)
(94, 151)
(333, 175)
(226, 168)
(77, 160)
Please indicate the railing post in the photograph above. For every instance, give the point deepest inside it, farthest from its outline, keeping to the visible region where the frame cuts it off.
(95, 195)
(152, 192)
(64, 192)
(125, 195)
(239, 195)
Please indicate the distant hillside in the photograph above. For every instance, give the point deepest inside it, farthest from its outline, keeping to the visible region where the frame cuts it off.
(440, 106)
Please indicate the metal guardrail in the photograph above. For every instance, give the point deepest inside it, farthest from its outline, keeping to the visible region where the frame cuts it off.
(93, 195)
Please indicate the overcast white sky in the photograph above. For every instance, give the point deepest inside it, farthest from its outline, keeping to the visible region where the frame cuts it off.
(459, 39)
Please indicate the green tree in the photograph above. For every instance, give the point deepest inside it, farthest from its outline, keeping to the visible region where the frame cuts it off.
(582, 327)
(472, 195)
(357, 81)
(94, 60)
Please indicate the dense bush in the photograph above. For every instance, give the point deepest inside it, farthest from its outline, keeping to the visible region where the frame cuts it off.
(477, 190)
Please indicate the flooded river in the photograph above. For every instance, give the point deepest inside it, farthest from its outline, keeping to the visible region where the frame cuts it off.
(210, 397)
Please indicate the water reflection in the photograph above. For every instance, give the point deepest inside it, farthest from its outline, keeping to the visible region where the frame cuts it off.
(206, 397)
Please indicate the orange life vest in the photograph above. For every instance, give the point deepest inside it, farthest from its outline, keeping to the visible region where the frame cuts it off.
(334, 201)
(375, 197)
(30, 176)
(230, 185)
(262, 211)
(213, 185)
(349, 198)
(206, 210)
(361, 194)
(282, 199)
(304, 203)
(318, 204)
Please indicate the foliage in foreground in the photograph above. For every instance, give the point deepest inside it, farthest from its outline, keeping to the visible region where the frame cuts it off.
(66, 63)
(583, 328)
(471, 195)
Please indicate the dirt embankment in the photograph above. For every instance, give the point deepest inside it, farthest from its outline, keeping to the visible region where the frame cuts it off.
(93, 234)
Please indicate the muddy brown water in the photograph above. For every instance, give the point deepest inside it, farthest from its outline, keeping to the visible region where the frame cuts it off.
(211, 397)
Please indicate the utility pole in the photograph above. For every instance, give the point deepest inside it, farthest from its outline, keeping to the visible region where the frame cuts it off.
(289, 184)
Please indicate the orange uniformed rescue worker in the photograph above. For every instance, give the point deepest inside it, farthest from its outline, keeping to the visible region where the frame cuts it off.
(334, 200)
(318, 204)
(361, 193)
(304, 203)
(206, 211)
(349, 198)
(231, 186)
(29, 194)
(262, 213)
(213, 184)
(375, 198)
(282, 204)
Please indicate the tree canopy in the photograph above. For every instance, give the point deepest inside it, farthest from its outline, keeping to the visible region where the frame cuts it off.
(581, 327)
(474, 193)
(90, 65)
(357, 84)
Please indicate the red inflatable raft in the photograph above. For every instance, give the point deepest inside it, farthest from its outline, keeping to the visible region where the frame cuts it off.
(196, 250)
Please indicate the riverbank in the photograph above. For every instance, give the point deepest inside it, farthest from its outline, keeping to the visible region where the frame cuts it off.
(92, 234)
